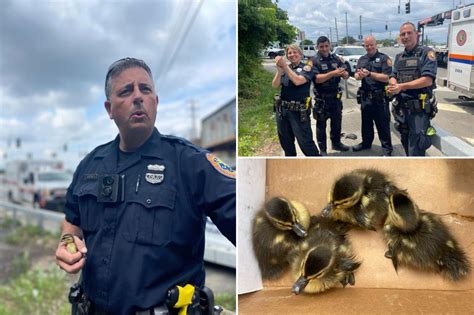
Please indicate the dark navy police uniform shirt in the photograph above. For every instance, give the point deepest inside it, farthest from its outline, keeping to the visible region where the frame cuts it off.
(324, 65)
(427, 65)
(292, 92)
(379, 63)
(154, 239)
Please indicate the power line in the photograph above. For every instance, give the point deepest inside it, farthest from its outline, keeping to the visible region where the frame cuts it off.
(181, 41)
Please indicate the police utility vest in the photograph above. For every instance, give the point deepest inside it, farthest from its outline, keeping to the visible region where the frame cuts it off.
(292, 92)
(373, 64)
(325, 65)
(409, 69)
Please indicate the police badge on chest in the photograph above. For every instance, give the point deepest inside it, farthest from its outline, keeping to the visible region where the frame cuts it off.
(155, 173)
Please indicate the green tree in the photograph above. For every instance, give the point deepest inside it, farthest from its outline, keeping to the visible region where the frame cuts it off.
(285, 33)
(307, 42)
(349, 40)
(257, 21)
(260, 23)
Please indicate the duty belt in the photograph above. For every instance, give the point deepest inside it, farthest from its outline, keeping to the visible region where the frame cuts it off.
(293, 105)
(377, 94)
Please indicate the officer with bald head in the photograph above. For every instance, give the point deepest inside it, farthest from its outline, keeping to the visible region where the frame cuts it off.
(374, 69)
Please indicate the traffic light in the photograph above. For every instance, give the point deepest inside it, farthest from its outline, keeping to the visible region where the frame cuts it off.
(407, 7)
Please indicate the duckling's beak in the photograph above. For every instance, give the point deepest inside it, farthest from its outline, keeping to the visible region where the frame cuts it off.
(327, 210)
(390, 189)
(299, 230)
(299, 285)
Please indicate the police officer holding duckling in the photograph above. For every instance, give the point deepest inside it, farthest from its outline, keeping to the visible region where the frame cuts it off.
(412, 82)
(374, 69)
(136, 209)
(293, 105)
(329, 69)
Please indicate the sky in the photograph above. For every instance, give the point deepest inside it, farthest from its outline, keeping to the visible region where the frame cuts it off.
(316, 17)
(54, 56)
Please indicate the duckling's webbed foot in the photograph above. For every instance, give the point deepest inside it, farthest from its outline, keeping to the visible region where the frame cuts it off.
(348, 279)
(391, 255)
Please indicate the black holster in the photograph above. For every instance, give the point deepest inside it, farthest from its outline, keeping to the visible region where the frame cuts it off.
(319, 108)
(277, 104)
(80, 304)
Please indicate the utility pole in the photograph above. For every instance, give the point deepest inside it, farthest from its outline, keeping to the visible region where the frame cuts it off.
(192, 104)
(347, 32)
(330, 34)
(399, 4)
(360, 27)
(337, 35)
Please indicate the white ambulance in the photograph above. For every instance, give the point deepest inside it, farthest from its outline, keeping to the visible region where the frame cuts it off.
(40, 183)
(460, 76)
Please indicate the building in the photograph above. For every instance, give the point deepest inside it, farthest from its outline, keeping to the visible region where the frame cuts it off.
(218, 132)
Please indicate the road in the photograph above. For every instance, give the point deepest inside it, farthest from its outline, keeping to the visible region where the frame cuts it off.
(454, 116)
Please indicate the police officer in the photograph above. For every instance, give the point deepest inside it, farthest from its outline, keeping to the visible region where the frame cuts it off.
(413, 81)
(293, 106)
(138, 204)
(329, 70)
(374, 70)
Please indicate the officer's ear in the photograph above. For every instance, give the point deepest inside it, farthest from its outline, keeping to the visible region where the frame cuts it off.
(108, 108)
(157, 100)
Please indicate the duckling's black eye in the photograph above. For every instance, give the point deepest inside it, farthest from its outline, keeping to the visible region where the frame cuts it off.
(317, 260)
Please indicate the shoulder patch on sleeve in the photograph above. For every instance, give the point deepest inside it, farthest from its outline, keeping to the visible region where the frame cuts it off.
(389, 61)
(431, 55)
(220, 166)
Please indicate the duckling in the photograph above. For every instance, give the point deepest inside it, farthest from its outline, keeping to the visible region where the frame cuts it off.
(277, 229)
(420, 239)
(360, 198)
(324, 258)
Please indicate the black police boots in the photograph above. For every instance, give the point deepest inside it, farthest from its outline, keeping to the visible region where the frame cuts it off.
(360, 147)
(340, 147)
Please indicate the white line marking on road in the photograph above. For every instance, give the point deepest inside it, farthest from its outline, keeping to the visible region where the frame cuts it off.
(451, 108)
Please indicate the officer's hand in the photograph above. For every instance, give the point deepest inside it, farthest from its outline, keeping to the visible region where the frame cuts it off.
(339, 72)
(365, 72)
(71, 263)
(394, 89)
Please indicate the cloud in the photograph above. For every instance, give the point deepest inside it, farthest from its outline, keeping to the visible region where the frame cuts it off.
(318, 18)
(54, 56)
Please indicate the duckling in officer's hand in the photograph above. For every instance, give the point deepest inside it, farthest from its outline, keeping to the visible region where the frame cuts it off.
(360, 198)
(277, 229)
(420, 239)
(324, 259)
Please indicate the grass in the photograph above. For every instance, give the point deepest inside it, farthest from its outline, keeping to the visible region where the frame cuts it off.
(28, 234)
(257, 125)
(36, 292)
(226, 300)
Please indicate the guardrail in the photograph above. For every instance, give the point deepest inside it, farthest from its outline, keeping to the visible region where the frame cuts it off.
(45, 219)
(218, 249)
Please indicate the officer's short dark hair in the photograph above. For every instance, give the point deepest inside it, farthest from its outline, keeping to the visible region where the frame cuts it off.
(322, 39)
(119, 66)
(409, 23)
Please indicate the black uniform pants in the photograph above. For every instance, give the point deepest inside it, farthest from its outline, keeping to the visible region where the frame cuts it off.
(289, 126)
(376, 111)
(333, 111)
(416, 141)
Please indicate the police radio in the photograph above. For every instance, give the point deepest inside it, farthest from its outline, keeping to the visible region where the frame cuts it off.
(111, 188)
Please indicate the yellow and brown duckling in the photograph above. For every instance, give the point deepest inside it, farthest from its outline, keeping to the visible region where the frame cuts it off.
(420, 239)
(360, 198)
(277, 229)
(324, 259)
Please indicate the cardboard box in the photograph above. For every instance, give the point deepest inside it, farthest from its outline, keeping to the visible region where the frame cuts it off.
(442, 186)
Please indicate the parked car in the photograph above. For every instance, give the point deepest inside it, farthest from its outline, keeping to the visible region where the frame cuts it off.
(272, 52)
(350, 55)
(308, 51)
